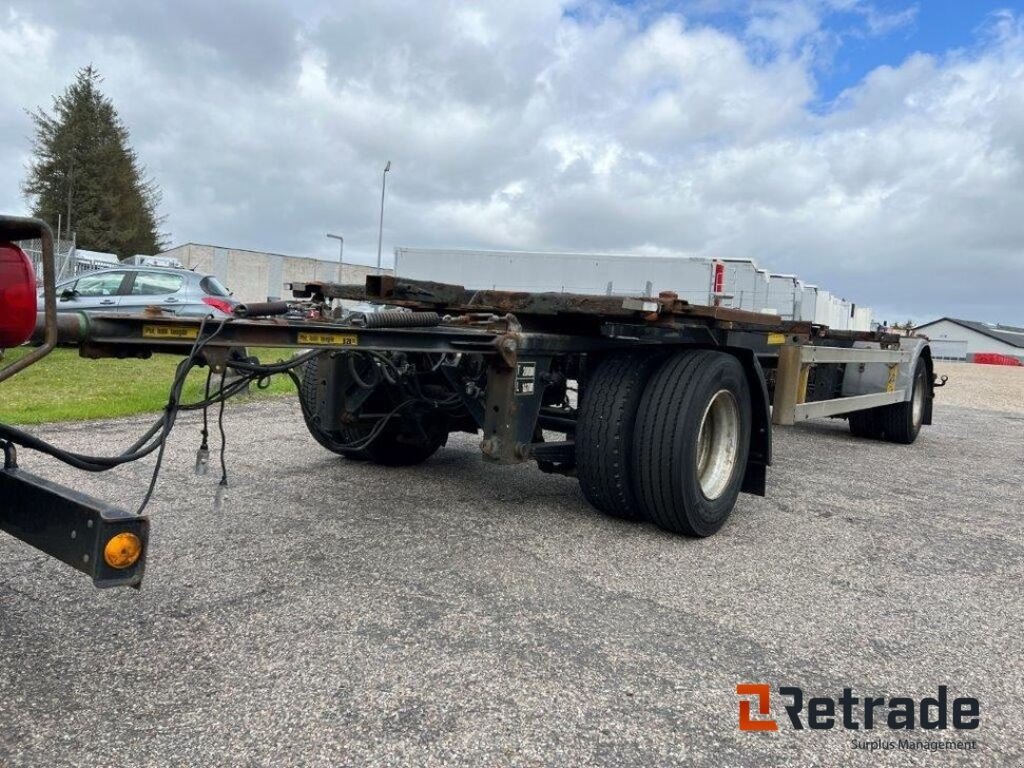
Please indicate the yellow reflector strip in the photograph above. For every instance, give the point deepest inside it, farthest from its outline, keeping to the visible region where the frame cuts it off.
(169, 332)
(776, 338)
(329, 339)
(123, 550)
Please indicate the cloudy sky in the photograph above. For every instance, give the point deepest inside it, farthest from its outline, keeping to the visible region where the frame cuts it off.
(874, 148)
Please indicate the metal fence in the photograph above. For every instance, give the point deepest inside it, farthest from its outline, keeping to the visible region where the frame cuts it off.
(69, 261)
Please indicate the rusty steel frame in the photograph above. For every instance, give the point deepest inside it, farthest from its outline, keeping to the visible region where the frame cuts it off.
(402, 292)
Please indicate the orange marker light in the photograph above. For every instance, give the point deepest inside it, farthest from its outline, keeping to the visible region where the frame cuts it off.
(123, 550)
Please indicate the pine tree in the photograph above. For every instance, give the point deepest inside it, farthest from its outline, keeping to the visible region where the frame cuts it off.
(83, 162)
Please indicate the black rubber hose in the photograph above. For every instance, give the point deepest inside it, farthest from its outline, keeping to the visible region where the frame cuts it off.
(261, 309)
(354, 372)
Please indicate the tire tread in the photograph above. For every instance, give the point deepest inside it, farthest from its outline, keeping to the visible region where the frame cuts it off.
(605, 429)
(663, 447)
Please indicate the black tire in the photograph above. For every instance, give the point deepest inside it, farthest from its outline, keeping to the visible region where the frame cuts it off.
(865, 424)
(898, 422)
(392, 448)
(604, 432)
(666, 475)
(331, 440)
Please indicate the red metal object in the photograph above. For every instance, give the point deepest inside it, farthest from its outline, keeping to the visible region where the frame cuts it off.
(17, 296)
(994, 358)
(719, 277)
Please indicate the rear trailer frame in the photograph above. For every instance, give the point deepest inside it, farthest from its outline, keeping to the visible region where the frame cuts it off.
(673, 405)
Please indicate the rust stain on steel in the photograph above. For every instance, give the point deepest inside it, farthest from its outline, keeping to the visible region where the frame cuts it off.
(508, 348)
(423, 294)
(728, 314)
(419, 293)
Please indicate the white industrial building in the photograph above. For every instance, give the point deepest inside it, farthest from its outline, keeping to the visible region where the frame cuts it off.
(259, 276)
(249, 275)
(954, 339)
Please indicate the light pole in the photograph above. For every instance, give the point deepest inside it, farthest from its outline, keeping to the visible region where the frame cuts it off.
(341, 252)
(380, 233)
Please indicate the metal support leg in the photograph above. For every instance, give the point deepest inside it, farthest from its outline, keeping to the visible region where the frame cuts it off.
(514, 397)
(790, 385)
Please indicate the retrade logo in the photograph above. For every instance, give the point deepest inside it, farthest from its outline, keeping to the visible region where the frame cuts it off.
(853, 713)
(762, 694)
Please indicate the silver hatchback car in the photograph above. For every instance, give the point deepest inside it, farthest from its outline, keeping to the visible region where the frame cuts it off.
(131, 289)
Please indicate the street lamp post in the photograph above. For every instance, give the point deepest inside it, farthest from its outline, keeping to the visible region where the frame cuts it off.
(380, 233)
(341, 252)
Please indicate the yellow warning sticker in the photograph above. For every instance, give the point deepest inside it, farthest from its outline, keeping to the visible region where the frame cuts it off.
(169, 332)
(328, 339)
(776, 338)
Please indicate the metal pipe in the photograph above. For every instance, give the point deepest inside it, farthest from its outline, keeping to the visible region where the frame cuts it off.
(261, 309)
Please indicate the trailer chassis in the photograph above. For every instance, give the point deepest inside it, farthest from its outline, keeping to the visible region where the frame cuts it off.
(533, 343)
(686, 383)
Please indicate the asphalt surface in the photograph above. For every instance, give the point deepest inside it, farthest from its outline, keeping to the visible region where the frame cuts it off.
(336, 613)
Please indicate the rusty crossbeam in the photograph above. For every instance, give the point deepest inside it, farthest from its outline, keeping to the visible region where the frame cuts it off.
(666, 309)
(423, 294)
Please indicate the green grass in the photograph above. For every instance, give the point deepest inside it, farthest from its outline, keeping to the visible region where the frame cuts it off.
(66, 387)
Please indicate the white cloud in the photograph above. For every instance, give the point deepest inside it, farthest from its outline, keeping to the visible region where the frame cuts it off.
(543, 125)
(23, 44)
(784, 24)
(882, 23)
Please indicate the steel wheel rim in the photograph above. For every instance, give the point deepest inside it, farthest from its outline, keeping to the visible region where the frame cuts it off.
(917, 406)
(718, 444)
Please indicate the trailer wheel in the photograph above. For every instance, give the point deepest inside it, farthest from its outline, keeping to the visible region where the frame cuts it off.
(692, 440)
(901, 422)
(604, 432)
(865, 424)
(392, 448)
(331, 440)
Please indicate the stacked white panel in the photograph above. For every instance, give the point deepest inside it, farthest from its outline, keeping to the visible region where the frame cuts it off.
(746, 285)
(863, 317)
(692, 278)
(785, 296)
(837, 315)
(822, 307)
(809, 303)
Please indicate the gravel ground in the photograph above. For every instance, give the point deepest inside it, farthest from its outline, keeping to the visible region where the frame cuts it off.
(989, 387)
(335, 613)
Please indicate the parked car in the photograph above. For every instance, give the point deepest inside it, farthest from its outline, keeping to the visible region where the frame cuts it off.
(130, 290)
